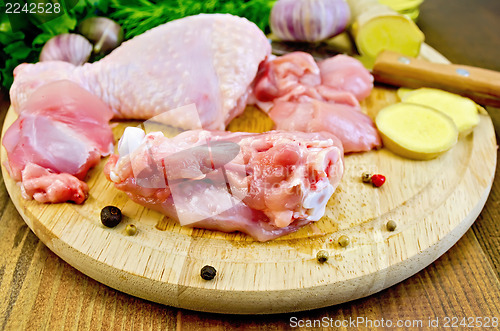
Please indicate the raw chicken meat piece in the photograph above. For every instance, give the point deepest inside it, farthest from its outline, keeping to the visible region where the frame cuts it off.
(299, 95)
(265, 185)
(296, 77)
(45, 186)
(282, 75)
(62, 129)
(345, 73)
(352, 127)
(209, 60)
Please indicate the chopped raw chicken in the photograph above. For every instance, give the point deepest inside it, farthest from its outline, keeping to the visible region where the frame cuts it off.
(347, 74)
(352, 127)
(300, 95)
(61, 133)
(209, 60)
(265, 185)
(44, 185)
(284, 74)
(296, 77)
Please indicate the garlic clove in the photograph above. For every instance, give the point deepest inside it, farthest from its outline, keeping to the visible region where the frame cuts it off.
(103, 32)
(68, 47)
(309, 21)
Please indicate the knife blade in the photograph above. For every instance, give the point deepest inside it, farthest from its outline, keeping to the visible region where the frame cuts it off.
(341, 44)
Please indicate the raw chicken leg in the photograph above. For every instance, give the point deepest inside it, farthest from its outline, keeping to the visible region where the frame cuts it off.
(265, 185)
(209, 60)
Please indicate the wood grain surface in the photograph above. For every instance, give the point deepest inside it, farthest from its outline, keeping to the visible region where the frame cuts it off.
(40, 291)
(433, 203)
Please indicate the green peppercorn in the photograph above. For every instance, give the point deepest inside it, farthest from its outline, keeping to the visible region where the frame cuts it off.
(131, 229)
(344, 241)
(322, 256)
(391, 225)
(366, 177)
(111, 216)
(208, 272)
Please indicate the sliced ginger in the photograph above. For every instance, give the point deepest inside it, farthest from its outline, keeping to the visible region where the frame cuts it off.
(463, 111)
(415, 131)
(402, 91)
(376, 27)
(400, 5)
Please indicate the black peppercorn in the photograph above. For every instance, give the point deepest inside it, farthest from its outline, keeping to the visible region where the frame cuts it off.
(208, 272)
(111, 216)
(322, 256)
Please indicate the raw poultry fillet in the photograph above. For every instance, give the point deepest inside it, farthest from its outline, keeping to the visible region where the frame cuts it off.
(301, 95)
(265, 185)
(356, 130)
(209, 60)
(61, 132)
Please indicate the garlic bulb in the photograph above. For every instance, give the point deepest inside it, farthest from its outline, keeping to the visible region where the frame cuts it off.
(309, 20)
(67, 47)
(103, 32)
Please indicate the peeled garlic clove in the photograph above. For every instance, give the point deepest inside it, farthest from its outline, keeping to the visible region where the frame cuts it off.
(68, 47)
(105, 33)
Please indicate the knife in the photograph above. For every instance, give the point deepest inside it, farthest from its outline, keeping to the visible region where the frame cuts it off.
(319, 50)
(480, 85)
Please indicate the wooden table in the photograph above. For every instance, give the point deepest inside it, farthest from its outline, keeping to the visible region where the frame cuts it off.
(38, 290)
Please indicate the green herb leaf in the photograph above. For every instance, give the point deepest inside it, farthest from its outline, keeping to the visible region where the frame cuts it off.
(138, 16)
(25, 42)
(7, 36)
(52, 28)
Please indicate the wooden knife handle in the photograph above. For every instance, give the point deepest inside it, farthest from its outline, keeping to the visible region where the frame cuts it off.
(481, 85)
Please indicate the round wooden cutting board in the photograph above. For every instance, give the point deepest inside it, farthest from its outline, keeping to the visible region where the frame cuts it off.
(433, 203)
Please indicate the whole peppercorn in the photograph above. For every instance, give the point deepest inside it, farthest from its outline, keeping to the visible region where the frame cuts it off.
(322, 256)
(111, 216)
(344, 241)
(131, 230)
(366, 177)
(378, 180)
(391, 225)
(208, 272)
